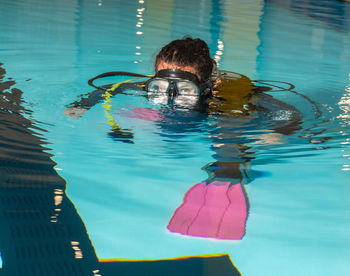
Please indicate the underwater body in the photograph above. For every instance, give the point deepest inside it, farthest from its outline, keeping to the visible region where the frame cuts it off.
(121, 197)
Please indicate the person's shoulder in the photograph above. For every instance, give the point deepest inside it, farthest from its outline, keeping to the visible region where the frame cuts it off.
(227, 81)
(232, 91)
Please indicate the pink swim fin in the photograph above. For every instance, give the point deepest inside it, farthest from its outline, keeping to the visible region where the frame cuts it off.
(214, 210)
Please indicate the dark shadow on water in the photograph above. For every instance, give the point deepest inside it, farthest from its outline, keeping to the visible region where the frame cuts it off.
(331, 12)
(40, 232)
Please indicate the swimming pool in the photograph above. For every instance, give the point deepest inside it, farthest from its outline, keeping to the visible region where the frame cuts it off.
(124, 194)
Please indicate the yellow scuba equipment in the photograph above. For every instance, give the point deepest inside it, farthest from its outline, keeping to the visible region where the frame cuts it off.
(106, 104)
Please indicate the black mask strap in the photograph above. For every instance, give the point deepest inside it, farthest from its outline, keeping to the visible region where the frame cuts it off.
(178, 74)
(113, 74)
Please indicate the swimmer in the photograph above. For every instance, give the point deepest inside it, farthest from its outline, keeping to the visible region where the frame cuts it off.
(187, 79)
(185, 75)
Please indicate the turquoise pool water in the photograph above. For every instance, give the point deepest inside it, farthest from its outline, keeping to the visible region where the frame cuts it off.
(125, 193)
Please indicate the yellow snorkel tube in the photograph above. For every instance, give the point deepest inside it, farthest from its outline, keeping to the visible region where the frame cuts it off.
(106, 104)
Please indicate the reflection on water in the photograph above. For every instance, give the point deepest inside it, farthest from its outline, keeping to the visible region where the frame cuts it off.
(40, 230)
(344, 106)
(331, 12)
(344, 117)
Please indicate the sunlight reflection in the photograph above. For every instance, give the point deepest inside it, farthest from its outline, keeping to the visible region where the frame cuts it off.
(219, 52)
(77, 251)
(139, 25)
(58, 196)
(344, 105)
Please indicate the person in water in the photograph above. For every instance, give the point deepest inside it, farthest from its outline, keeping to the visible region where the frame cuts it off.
(186, 75)
(187, 78)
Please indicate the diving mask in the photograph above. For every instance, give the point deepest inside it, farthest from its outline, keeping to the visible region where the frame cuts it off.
(182, 87)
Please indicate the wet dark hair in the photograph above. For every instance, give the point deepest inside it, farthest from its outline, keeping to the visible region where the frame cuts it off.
(188, 52)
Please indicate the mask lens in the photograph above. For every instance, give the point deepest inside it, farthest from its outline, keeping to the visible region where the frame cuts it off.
(157, 86)
(187, 88)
